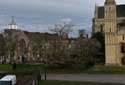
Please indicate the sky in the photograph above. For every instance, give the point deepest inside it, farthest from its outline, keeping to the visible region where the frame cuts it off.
(41, 15)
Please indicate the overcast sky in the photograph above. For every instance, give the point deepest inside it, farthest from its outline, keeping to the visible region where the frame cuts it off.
(39, 15)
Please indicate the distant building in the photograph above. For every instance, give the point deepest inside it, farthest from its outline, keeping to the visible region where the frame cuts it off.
(82, 33)
(110, 19)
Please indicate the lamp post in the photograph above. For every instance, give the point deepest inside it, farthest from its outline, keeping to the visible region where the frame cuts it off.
(45, 68)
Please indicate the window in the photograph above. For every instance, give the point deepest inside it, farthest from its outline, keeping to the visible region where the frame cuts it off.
(123, 48)
(101, 28)
(110, 30)
(109, 8)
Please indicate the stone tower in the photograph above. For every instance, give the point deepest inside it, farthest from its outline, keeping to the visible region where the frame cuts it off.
(111, 44)
(110, 20)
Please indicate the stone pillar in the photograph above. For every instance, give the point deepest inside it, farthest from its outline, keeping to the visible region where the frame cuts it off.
(111, 44)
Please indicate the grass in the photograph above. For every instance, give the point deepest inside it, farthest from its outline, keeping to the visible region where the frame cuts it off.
(5, 67)
(71, 83)
(28, 68)
(102, 69)
(96, 69)
(21, 68)
(34, 68)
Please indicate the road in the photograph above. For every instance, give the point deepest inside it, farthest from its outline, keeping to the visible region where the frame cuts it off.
(102, 78)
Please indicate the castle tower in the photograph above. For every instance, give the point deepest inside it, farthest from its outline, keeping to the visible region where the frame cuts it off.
(111, 45)
(13, 24)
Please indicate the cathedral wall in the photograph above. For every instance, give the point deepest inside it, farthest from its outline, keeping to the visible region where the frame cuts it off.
(111, 55)
(98, 25)
(111, 48)
(121, 38)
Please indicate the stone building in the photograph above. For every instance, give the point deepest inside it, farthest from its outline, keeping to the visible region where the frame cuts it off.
(20, 46)
(110, 19)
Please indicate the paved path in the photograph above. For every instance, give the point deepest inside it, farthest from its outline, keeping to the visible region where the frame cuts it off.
(103, 78)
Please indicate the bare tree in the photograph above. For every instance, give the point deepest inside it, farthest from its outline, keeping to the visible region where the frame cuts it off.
(59, 45)
(62, 28)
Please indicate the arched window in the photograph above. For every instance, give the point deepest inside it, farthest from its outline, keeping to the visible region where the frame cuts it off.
(22, 45)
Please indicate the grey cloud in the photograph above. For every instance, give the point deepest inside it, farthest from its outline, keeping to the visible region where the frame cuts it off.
(38, 15)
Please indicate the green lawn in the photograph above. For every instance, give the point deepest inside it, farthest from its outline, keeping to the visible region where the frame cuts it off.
(28, 68)
(34, 68)
(5, 67)
(102, 69)
(21, 67)
(96, 69)
(71, 83)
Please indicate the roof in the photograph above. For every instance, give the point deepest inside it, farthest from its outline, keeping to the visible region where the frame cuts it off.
(37, 36)
(12, 22)
(120, 11)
